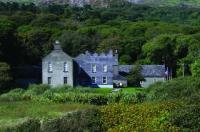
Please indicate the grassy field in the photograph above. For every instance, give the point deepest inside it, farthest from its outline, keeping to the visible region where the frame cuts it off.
(11, 112)
(132, 90)
(43, 103)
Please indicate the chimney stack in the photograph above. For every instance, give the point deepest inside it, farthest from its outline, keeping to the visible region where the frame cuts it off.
(57, 45)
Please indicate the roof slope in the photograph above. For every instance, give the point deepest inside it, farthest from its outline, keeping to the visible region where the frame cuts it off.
(147, 70)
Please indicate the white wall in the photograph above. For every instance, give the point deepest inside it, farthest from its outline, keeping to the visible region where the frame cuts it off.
(151, 80)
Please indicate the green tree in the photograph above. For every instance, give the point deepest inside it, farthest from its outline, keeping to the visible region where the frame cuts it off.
(195, 68)
(5, 76)
(135, 76)
(125, 59)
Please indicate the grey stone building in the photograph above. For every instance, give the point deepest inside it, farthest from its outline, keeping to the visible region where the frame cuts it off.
(96, 70)
(57, 68)
(93, 70)
(151, 73)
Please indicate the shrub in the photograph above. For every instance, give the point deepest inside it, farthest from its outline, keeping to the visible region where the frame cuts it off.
(140, 117)
(34, 90)
(5, 77)
(84, 120)
(98, 100)
(176, 89)
(186, 89)
(13, 95)
(195, 68)
(187, 117)
(28, 125)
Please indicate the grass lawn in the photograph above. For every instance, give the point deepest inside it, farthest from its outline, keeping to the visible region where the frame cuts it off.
(103, 90)
(123, 90)
(13, 112)
(132, 90)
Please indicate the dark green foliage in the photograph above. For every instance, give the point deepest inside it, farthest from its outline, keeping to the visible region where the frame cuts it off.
(34, 90)
(187, 117)
(76, 121)
(176, 89)
(13, 95)
(187, 91)
(5, 76)
(195, 68)
(142, 34)
(98, 100)
(135, 76)
(28, 125)
(85, 120)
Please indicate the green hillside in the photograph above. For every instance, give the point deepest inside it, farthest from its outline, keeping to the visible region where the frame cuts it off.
(172, 2)
(149, 2)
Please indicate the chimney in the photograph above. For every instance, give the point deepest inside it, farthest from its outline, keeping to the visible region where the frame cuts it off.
(57, 45)
(116, 57)
(116, 64)
(115, 70)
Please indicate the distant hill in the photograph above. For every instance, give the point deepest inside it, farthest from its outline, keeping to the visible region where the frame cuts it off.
(193, 3)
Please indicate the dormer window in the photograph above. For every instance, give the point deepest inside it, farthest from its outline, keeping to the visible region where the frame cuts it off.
(105, 68)
(50, 68)
(65, 67)
(94, 68)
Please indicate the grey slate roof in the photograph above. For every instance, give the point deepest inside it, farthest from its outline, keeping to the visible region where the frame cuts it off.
(119, 77)
(57, 54)
(147, 70)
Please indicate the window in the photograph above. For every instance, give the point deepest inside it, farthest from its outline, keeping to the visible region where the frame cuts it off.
(65, 67)
(104, 80)
(94, 80)
(94, 68)
(105, 68)
(49, 80)
(50, 68)
(65, 80)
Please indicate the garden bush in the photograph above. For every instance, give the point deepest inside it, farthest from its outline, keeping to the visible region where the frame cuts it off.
(34, 90)
(98, 100)
(13, 95)
(85, 120)
(188, 116)
(176, 89)
(185, 89)
(27, 125)
(140, 117)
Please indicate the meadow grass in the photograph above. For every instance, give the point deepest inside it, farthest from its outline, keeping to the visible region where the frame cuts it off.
(12, 112)
(132, 90)
(103, 90)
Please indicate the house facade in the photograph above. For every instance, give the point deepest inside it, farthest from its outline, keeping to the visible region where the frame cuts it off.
(93, 70)
(97, 70)
(57, 68)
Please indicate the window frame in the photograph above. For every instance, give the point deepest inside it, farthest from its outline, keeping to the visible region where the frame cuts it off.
(65, 67)
(50, 67)
(106, 67)
(49, 80)
(94, 71)
(95, 80)
(65, 80)
(106, 80)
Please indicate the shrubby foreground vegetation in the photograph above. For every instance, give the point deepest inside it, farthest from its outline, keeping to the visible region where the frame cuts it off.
(169, 106)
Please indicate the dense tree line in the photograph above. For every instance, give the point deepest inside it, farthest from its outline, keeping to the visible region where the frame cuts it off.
(141, 34)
